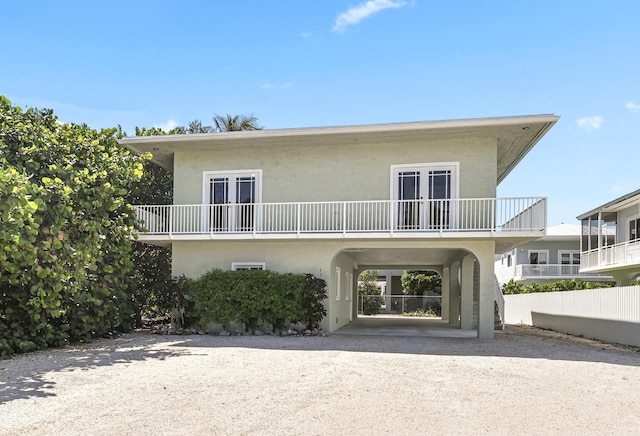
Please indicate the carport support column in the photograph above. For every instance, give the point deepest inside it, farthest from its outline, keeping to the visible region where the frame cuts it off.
(486, 298)
(466, 293)
(444, 300)
(454, 294)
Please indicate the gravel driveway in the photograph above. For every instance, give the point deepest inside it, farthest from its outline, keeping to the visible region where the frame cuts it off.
(526, 381)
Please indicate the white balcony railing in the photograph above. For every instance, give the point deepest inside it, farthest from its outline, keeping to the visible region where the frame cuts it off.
(388, 216)
(552, 270)
(618, 255)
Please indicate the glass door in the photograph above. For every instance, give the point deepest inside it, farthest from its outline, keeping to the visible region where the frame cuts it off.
(245, 196)
(408, 200)
(232, 199)
(219, 200)
(423, 197)
(439, 194)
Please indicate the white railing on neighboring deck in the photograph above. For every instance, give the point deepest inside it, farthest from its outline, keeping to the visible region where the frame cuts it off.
(550, 270)
(476, 214)
(624, 253)
(399, 304)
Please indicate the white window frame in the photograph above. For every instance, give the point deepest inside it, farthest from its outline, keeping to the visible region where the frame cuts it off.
(454, 167)
(537, 251)
(349, 286)
(628, 230)
(571, 253)
(207, 175)
(238, 266)
(337, 283)
(231, 174)
(431, 166)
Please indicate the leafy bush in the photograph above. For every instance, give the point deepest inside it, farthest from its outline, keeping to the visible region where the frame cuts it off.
(65, 230)
(253, 297)
(369, 294)
(421, 282)
(315, 291)
(512, 287)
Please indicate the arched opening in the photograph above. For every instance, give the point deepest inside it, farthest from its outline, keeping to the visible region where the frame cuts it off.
(451, 301)
(410, 292)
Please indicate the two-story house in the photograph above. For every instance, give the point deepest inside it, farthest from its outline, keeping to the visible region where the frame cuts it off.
(554, 257)
(610, 240)
(335, 201)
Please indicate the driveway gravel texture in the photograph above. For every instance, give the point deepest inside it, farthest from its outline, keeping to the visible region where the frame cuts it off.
(526, 381)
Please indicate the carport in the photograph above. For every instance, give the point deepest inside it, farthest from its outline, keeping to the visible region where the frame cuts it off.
(466, 269)
(398, 325)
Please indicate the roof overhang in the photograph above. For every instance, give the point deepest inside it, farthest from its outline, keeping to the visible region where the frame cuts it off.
(515, 137)
(614, 206)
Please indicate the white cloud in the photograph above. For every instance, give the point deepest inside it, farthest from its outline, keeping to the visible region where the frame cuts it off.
(268, 86)
(169, 125)
(358, 13)
(633, 107)
(306, 35)
(590, 123)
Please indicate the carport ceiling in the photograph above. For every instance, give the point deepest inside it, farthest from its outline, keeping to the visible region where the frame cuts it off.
(404, 256)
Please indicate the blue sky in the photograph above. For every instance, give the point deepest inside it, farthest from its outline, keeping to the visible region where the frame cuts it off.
(322, 63)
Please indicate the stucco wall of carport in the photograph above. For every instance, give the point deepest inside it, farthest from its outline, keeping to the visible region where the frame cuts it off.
(320, 258)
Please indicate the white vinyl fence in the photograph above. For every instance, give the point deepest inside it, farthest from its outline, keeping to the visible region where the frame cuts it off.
(608, 314)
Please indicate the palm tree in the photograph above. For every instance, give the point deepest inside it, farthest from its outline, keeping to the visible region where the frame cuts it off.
(196, 126)
(235, 123)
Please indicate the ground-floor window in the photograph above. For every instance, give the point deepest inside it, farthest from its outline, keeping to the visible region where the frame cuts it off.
(337, 283)
(349, 286)
(243, 266)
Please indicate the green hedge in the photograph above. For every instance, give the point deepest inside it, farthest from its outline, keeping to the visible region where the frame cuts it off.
(563, 285)
(253, 297)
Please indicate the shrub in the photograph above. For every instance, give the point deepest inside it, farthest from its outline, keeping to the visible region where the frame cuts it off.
(369, 294)
(253, 297)
(65, 231)
(512, 287)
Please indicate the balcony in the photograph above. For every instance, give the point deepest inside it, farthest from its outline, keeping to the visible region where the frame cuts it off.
(552, 270)
(356, 219)
(624, 254)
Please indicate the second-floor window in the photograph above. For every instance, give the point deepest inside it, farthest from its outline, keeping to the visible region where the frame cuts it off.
(569, 257)
(634, 229)
(232, 195)
(538, 257)
(423, 191)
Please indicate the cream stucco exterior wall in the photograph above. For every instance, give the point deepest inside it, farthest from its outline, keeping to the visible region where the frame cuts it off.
(322, 257)
(339, 172)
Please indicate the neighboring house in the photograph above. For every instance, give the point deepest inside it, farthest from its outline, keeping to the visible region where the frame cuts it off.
(554, 257)
(610, 241)
(335, 201)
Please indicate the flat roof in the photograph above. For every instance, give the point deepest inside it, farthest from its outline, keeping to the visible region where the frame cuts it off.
(515, 135)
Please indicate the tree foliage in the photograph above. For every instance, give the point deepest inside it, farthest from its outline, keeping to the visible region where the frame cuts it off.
(421, 282)
(154, 290)
(369, 294)
(65, 229)
(235, 123)
(512, 287)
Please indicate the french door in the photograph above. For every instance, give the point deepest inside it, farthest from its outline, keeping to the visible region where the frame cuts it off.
(423, 195)
(232, 199)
